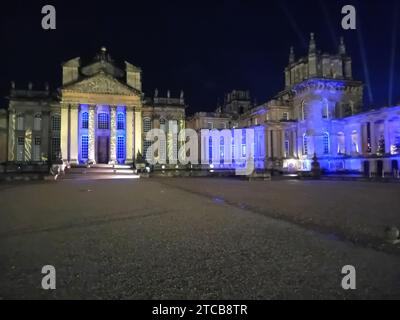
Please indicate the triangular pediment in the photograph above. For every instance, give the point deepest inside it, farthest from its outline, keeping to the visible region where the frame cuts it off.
(101, 83)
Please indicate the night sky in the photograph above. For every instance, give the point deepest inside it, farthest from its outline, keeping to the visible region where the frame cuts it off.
(205, 48)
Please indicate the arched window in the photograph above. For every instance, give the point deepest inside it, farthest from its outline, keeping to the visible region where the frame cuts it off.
(303, 111)
(146, 125)
(120, 121)
(341, 143)
(305, 145)
(326, 142)
(103, 121)
(20, 121)
(37, 122)
(56, 122)
(85, 120)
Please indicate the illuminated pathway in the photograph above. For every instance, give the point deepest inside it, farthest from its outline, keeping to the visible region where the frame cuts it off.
(195, 238)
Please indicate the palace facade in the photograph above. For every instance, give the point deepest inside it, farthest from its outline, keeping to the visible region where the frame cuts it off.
(101, 115)
(318, 112)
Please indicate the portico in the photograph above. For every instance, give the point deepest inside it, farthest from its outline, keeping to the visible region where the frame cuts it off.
(101, 116)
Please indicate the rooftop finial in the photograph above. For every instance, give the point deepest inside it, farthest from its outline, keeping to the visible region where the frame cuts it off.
(342, 46)
(291, 55)
(312, 47)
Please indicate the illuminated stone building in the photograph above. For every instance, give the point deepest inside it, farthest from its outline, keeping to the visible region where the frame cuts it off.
(99, 116)
(320, 112)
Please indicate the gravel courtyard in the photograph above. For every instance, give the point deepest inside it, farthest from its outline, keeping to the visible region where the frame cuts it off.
(198, 239)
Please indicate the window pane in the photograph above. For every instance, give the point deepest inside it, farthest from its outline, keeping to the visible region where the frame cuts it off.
(120, 148)
(56, 123)
(103, 121)
(85, 147)
(85, 120)
(120, 121)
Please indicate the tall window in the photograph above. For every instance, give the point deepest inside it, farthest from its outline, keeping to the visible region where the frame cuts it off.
(37, 122)
(146, 128)
(162, 151)
(146, 125)
(120, 121)
(56, 123)
(103, 121)
(55, 148)
(20, 148)
(287, 148)
(326, 143)
(36, 148)
(85, 147)
(85, 120)
(20, 122)
(341, 143)
(120, 148)
(285, 116)
(305, 145)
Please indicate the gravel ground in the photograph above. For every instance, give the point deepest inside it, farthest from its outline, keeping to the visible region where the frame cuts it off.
(194, 239)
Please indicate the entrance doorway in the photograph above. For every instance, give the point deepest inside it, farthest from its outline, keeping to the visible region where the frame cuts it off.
(379, 168)
(103, 144)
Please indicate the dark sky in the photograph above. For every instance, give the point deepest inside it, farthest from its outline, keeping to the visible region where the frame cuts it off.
(205, 48)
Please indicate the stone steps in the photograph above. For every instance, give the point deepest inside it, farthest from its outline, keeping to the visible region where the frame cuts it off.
(100, 171)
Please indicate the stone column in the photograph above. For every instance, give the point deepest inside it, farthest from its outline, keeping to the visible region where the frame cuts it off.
(387, 137)
(373, 138)
(364, 139)
(73, 134)
(268, 143)
(348, 141)
(113, 135)
(295, 148)
(333, 139)
(92, 132)
(138, 132)
(359, 139)
(130, 156)
(283, 153)
(11, 136)
(28, 124)
(45, 136)
(275, 143)
(64, 133)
